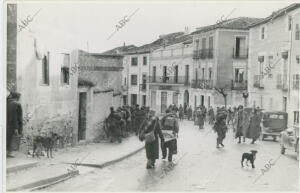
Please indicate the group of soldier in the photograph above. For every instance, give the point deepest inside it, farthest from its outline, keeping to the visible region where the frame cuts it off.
(125, 120)
(149, 128)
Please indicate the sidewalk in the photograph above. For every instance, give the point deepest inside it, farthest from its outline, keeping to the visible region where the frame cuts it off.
(27, 173)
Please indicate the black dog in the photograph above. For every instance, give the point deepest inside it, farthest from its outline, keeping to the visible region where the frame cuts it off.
(249, 157)
(47, 143)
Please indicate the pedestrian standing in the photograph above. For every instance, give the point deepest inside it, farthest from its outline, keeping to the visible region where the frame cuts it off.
(220, 128)
(190, 113)
(200, 118)
(239, 124)
(114, 126)
(14, 120)
(254, 126)
(211, 116)
(150, 133)
(181, 113)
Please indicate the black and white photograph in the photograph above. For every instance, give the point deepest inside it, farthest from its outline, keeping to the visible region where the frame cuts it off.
(150, 96)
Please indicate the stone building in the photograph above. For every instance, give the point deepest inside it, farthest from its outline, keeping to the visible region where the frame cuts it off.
(274, 62)
(37, 68)
(63, 89)
(170, 73)
(220, 63)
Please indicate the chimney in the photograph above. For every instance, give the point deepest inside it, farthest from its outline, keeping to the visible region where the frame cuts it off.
(124, 44)
(186, 30)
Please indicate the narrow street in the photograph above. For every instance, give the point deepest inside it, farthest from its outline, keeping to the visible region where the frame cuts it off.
(200, 167)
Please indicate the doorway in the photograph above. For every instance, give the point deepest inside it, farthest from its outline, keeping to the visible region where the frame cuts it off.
(82, 116)
(164, 96)
(186, 98)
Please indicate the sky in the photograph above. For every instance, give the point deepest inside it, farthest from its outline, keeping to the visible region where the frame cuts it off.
(93, 23)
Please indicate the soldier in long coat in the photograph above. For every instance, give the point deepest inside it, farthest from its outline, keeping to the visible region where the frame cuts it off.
(211, 115)
(220, 128)
(200, 119)
(254, 126)
(152, 148)
(14, 119)
(238, 124)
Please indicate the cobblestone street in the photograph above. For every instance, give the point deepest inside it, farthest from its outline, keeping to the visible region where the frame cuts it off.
(200, 167)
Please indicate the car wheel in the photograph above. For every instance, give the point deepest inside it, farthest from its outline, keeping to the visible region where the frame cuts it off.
(282, 150)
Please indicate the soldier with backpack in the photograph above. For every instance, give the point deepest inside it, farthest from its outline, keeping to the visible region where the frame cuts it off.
(170, 130)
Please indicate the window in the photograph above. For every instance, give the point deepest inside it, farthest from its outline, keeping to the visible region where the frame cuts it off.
(210, 73)
(239, 75)
(203, 73)
(133, 99)
(296, 78)
(197, 44)
(298, 59)
(144, 100)
(262, 33)
(203, 43)
(296, 116)
(289, 23)
(125, 81)
(133, 79)
(65, 69)
(45, 69)
(134, 61)
(270, 65)
(297, 32)
(154, 74)
(145, 60)
(240, 47)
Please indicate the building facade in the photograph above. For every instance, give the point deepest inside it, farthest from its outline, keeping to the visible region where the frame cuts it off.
(134, 81)
(220, 63)
(274, 62)
(170, 74)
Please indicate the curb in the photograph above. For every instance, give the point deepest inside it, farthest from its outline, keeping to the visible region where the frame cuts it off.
(21, 167)
(45, 182)
(108, 162)
(57, 179)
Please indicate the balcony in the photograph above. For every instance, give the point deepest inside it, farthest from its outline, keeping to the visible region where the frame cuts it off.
(203, 54)
(258, 81)
(202, 84)
(143, 87)
(241, 85)
(170, 80)
(282, 82)
(241, 54)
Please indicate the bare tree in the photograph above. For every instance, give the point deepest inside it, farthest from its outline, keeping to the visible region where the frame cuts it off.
(223, 92)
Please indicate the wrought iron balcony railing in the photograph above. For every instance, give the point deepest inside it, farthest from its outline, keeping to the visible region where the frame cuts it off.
(203, 54)
(241, 54)
(170, 79)
(240, 85)
(202, 84)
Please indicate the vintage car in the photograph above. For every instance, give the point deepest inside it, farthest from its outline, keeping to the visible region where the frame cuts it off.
(273, 123)
(290, 140)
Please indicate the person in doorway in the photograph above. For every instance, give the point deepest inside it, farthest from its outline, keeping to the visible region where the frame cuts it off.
(151, 127)
(14, 120)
